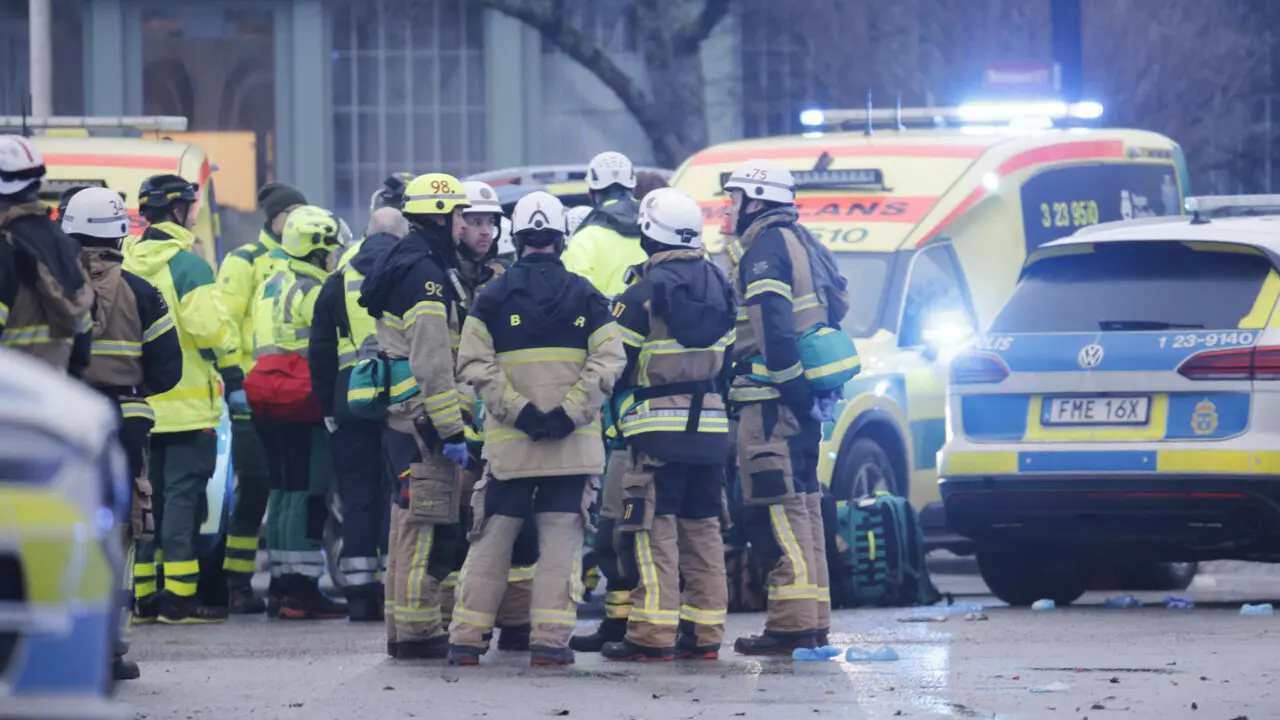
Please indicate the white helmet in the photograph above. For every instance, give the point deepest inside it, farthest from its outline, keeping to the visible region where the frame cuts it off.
(671, 217)
(611, 168)
(575, 216)
(763, 180)
(482, 197)
(96, 212)
(20, 164)
(538, 211)
(506, 246)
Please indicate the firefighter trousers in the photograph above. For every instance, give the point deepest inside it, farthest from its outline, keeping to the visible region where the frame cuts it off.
(559, 505)
(301, 467)
(363, 487)
(180, 466)
(420, 554)
(136, 421)
(778, 457)
(253, 486)
(620, 576)
(670, 528)
(516, 602)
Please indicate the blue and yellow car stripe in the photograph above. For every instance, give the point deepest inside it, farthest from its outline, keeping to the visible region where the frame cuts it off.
(1009, 462)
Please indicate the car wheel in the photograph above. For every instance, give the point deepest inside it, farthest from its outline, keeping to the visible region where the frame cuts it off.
(1020, 576)
(333, 541)
(862, 469)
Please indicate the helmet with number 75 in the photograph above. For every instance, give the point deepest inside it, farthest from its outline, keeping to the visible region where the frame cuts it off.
(763, 180)
(434, 194)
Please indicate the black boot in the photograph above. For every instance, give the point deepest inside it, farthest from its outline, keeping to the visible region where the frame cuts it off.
(146, 609)
(514, 638)
(188, 610)
(242, 600)
(437, 648)
(609, 630)
(627, 651)
(822, 638)
(464, 655)
(767, 643)
(687, 647)
(275, 592)
(364, 608)
(305, 601)
(122, 669)
(541, 655)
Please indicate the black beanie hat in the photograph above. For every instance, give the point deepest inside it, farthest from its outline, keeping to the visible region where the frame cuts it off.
(274, 198)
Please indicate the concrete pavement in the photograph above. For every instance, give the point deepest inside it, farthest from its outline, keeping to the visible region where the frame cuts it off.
(1144, 663)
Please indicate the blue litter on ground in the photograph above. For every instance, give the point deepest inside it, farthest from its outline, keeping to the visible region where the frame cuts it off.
(1123, 601)
(1263, 609)
(1045, 604)
(880, 654)
(1178, 602)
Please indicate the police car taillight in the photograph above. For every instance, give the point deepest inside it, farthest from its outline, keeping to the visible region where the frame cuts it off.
(1261, 363)
(978, 367)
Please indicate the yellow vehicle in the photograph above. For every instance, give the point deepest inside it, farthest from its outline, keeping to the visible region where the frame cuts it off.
(931, 227)
(75, 156)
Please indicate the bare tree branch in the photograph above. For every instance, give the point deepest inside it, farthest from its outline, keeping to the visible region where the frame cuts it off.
(689, 38)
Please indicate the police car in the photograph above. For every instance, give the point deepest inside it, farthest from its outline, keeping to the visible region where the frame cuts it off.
(1124, 404)
(64, 482)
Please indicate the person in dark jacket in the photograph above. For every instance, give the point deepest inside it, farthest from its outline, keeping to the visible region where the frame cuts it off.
(135, 354)
(342, 332)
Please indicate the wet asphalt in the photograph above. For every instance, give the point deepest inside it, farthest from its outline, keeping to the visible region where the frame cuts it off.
(1086, 661)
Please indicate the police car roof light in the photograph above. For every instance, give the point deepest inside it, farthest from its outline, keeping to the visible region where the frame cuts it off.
(1224, 205)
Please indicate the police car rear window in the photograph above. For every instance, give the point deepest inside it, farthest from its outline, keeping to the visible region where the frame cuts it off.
(1136, 286)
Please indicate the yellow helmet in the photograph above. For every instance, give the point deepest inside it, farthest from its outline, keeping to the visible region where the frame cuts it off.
(434, 194)
(309, 228)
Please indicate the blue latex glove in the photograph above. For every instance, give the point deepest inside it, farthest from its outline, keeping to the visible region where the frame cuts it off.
(238, 402)
(457, 453)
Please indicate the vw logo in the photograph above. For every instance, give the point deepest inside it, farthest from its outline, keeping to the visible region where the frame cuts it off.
(1090, 356)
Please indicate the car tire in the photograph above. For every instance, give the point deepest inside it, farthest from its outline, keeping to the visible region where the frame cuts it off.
(862, 468)
(1020, 577)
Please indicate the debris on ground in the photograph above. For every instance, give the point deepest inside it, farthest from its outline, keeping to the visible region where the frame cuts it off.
(975, 616)
(880, 654)
(1044, 604)
(1052, 687)
(1123, 601)
(1262, 609)
(1178, 602)
(922, 618)
(818, 654)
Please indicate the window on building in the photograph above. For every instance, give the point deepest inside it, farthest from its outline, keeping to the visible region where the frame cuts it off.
(409, 94)
(68, 57)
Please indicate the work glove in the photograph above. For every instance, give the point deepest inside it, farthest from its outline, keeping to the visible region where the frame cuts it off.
(238, 402)
(559, 425)
(533, 422)
(331, 424)
(457, 453)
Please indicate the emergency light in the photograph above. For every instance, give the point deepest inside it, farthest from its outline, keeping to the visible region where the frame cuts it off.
(144, 123)
(1028, 114)
(1210, 206)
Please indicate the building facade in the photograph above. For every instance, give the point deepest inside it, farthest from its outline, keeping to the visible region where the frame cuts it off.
(341, 93)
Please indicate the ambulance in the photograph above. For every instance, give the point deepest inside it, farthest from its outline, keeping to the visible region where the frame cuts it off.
(77, 154)
(930, 213)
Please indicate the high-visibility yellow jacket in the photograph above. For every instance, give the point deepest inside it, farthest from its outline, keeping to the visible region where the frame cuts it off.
(210, 345)
(285, 307)
(601, 254)
(241, 274)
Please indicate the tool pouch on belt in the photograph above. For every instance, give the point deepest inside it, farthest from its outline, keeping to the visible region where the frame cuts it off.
(765, 459)
(435, 492)
(638, 495)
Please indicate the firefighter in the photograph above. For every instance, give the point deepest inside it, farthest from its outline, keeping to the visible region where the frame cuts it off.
(543, 352)
(415, 306)
(782, 514)
(608, 240)
(477, 266)
(242, 273)
(135, 355)
(341, 334)
(287, 416)
(184, 440)
(45, 297)
(677, 323)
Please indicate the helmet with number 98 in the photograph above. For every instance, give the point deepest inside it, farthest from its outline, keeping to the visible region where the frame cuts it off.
(763, 180)
(308, 229)
(434, 194)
